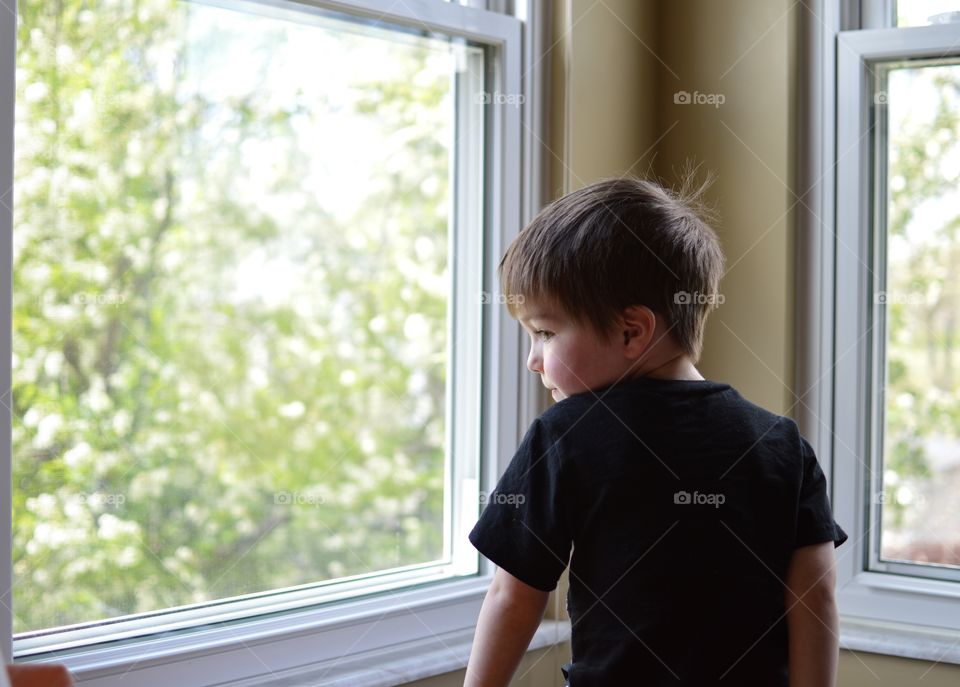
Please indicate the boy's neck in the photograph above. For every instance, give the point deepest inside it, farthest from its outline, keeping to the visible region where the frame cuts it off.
(678, 366)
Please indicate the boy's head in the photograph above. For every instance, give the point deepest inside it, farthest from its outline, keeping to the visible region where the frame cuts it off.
(599, 252)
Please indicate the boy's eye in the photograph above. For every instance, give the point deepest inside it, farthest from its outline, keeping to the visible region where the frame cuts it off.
(543, 334)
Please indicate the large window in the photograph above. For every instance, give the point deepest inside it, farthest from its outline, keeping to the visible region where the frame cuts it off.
(232, 295)
(880, 354)
(249, 312)
(917, 268)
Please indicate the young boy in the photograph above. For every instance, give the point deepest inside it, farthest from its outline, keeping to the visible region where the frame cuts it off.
(701, 532)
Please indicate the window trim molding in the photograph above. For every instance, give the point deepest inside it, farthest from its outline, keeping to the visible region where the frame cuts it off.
(900, 639)
(262, 648)
(372, 623)
(820, 20)
(880, 612)
(537, 44)
(8, 58)
(877, 14)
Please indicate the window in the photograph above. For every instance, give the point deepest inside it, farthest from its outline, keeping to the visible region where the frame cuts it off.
(230, 345)
(882, 298)
(250, 263)
(917, 443)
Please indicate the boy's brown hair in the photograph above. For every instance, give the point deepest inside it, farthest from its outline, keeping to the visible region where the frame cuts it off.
(617, 243)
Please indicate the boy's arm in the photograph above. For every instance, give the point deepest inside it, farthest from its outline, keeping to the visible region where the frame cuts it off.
(510, 614)
(812, 616)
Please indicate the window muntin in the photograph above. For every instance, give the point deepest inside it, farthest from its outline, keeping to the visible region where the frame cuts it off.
(319, 303)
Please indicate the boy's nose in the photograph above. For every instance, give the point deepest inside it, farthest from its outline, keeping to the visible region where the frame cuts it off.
(534, 362)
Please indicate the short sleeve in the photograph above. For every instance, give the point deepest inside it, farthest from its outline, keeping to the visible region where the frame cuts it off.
(522, 528)
(815, 523)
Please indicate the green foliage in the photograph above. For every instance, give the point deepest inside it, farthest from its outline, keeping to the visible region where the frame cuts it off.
(922, 395)
(220, 386)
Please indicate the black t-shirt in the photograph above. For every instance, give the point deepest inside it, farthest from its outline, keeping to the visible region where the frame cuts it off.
(682, 502)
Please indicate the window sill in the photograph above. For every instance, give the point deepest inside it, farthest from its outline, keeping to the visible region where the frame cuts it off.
(384, 640)
(900, 639)
(400, 664)
(260, 650)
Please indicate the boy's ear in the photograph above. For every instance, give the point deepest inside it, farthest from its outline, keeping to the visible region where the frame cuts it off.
(637, 327)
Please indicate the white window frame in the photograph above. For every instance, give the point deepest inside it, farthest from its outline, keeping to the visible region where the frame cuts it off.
(881, 612)
(8, 57)
(390, 629)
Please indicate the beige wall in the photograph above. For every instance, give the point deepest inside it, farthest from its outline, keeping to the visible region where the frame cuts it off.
(861, 669)
(742, 50)
(605, 61)
(616, 67)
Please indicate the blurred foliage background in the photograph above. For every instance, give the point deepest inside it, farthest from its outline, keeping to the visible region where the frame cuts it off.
(921, 401)
(229, 355)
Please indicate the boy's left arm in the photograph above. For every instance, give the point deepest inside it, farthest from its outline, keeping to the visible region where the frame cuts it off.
(511, 613)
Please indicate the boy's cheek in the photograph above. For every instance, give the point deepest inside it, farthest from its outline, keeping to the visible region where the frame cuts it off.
(559, 375)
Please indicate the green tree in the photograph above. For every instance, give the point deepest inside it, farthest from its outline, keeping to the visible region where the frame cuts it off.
(220, 385)
(922, 395)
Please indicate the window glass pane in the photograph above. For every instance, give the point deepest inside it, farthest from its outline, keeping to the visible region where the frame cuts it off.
(232, 289)
(921, 302)
(924, 12)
